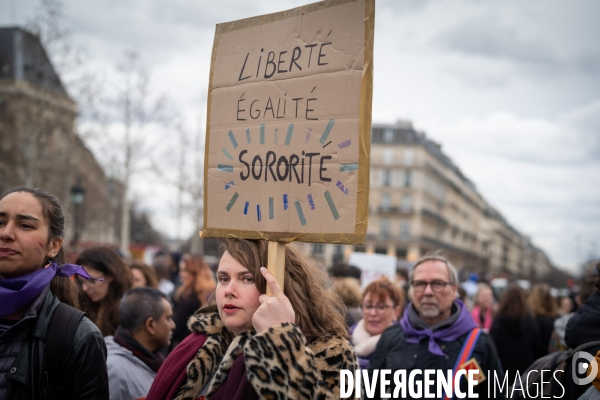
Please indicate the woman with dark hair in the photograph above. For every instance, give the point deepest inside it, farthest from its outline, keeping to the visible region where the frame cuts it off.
(33, 283)
(245, 344)
(515, 333)
(104, 297)
(197, 284)
(143, 275)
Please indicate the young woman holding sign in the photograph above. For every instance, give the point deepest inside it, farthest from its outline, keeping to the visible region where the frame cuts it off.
(247, 345)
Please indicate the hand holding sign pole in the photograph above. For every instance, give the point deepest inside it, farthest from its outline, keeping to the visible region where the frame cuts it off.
(289, 125)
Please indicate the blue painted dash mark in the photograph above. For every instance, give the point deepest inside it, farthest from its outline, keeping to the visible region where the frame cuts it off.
(225, 168)
(311, 202)
(262, 133)
(228, 185)
(258, 212)
(344, 144)
(308, 135)
(348, 167)
(290, 131)
(248, 136)
(232, 138)
(271, 208)
(327, 130)
(285, 201)
(300, 212)
(232, 201)
(224, 150)
(332, 206)
(246, 208)
(342, 187)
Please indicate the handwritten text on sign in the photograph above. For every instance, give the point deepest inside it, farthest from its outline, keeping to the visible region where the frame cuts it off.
(284, 142)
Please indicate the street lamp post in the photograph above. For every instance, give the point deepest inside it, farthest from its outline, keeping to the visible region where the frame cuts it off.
(77, 196)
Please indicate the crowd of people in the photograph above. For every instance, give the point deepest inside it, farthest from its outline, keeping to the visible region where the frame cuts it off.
(106, 328)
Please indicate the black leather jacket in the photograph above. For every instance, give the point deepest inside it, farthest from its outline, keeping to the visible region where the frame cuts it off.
(87, 376)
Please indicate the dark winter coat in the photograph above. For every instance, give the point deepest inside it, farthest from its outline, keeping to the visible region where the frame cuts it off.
(86, 369)
(545, 327)
(395, 353)
(184, 308)
(517, 342)
(582, 328)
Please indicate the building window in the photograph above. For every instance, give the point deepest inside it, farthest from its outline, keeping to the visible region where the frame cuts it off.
(3, 107)
(406, 203)
(405, 229)
(409, 157)
(318, 248)
(386, 177)
(388, 156)
(388, 135)
(384, 227)
(386, 201)
(407, 179)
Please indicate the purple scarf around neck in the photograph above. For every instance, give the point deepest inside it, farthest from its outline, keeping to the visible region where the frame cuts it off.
(18, 291)
(460, 327)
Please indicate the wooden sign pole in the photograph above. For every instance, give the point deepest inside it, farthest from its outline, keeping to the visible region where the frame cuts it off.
(276, 263)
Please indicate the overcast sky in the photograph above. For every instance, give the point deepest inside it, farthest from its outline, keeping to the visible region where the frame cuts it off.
(510, 89)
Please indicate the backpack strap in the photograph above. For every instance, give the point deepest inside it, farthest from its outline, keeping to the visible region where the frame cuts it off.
(60, 345)
(464, 355)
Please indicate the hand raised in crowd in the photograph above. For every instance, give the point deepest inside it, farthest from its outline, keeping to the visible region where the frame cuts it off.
(273, 310)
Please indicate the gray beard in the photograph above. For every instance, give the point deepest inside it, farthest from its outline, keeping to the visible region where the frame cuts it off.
(429, 312)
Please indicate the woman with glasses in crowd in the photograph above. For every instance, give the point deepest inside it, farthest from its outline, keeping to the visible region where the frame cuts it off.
(103, 297)
(382, 305)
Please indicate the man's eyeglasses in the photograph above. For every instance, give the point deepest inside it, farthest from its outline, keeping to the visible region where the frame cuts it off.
(378, 307)
(436, 285)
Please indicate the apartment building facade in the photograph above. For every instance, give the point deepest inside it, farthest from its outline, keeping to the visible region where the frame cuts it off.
(420, 201)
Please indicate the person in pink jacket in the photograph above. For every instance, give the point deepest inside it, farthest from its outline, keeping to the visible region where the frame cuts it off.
(483, 311)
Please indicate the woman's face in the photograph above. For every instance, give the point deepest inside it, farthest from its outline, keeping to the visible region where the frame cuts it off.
(96, 291)
(185, 276)
(237, 295)
(137, 278)
(566, 305)
(485, 298)
(24, 232)
(378, 313)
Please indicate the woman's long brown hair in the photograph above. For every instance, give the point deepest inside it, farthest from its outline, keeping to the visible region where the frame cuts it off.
(541, 301)
(202, 283)
(319, 312)
(105, 314)
(513, 303)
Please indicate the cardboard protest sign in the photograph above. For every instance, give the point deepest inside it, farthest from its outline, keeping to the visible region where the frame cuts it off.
(289, 124)
(373, 266)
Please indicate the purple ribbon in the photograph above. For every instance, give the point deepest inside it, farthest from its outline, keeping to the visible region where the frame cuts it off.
(18, 291)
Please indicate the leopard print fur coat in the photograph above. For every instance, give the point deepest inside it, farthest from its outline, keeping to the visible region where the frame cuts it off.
(311, 371)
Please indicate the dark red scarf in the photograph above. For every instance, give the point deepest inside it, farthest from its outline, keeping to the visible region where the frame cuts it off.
(152, 360)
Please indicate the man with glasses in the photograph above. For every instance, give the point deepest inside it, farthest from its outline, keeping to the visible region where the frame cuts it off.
(435, 331)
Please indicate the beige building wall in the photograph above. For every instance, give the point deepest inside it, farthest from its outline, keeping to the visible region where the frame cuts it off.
(419, 201)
